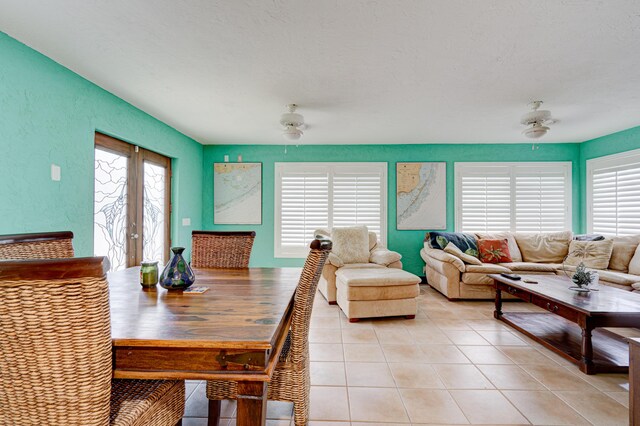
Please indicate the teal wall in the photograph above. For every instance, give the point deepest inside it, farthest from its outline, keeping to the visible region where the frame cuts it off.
(48, 114)
(408, 243)
(614, 143)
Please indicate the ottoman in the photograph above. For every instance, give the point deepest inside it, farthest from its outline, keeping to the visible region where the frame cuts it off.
(377, 292)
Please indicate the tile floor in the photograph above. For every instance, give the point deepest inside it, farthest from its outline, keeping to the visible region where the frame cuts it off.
(453, 364)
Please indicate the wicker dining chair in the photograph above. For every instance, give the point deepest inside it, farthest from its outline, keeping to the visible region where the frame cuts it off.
(55, 352)
(221, 249)
(290, 381)
(43, 245)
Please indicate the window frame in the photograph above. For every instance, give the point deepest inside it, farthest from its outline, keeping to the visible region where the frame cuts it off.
(331, 168)
(612, 161)
(512, 168)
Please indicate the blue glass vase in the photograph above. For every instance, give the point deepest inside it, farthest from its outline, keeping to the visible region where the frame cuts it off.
(177, 275)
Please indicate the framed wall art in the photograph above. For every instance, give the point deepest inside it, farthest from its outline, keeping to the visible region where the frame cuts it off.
(237, 193)
(421, 196)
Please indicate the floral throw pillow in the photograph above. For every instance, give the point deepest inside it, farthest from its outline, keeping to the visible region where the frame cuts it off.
(494, 251)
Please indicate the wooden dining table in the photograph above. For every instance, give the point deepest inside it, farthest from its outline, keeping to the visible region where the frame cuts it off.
(233, 331)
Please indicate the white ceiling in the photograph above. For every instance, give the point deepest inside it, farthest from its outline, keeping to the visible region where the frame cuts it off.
(362, 71)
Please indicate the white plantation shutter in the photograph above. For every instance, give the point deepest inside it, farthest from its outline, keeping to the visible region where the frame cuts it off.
(613, 194)
(357, 200)
(326, 195)
(305, 207)
(540, 202)
(485, 203)
(517, 197)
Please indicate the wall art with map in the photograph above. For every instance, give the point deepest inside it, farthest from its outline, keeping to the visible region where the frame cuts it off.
(421, 195)
(237, 193)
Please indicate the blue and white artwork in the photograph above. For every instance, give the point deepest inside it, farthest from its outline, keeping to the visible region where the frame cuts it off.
(421, 194)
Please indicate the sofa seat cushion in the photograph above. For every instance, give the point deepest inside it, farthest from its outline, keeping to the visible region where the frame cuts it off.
(379, 292)
(376, 277)
(487, 268)
(531, 267)
(618, 277)
(544, 247)
(476, 278)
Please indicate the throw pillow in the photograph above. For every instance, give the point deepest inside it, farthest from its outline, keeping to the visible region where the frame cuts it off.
(623, 250)
(452, 249)
(634, 264)
(551, 247)
(494, 251)
(351, 244)
(465, 242)
(594, 254)
(516, 256)
(589, 237)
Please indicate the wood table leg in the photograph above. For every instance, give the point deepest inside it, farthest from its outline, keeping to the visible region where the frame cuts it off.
(586, 363)
(214, 412)
(252, 404)
(497, 313)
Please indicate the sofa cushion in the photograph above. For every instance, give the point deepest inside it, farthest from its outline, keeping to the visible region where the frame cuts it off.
(618, 277)
(636, 286)
(634, 263)
(544, 247)
(373, 240)
(382, 256)
(487, 268)
(361, 266)
(623, 250)
(531, 267)
(465, 242)
(376, 277)
(594, 254)
(351, 244)
(514, 251)
(475, 278)
(453, 250)
(379, 292)
(494, 251)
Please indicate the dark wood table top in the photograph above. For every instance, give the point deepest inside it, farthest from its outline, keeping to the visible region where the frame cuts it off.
(242, 309)
(556, 288)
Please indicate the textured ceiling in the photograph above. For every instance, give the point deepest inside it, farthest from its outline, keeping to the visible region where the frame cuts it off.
(362, 71)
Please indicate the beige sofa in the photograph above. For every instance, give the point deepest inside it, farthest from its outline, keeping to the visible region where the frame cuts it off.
(379, 257)
(531, 254)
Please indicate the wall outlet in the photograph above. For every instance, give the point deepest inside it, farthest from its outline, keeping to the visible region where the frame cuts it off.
(186, 221)
(55, 173)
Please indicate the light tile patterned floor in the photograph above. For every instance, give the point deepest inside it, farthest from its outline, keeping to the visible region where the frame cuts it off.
(453, 364)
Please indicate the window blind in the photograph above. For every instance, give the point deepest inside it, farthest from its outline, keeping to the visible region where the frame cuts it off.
(615, 198)
(517, 197)
(326, 195)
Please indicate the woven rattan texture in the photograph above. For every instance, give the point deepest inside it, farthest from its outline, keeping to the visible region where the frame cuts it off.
(53, 249)
(221, 251)
(55, 352)
(146, 402)
(291, 379)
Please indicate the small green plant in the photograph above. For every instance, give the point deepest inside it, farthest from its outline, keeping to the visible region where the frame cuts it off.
(582, 277)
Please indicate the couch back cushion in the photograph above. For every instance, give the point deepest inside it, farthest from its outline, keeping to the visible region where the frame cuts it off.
(465, 242)
(516, 256)
(623, 250)
(494, 251)
(351, 244)
(551, 247)
(594, 254)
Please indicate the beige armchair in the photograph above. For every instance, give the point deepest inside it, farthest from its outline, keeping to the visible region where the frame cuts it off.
(379, 257)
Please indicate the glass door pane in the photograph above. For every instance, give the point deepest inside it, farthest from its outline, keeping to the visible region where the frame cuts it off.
(154, 212)
(110, 207)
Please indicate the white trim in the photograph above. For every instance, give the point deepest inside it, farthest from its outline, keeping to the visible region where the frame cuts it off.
(513, 169)
(330, 169)
(613, 161)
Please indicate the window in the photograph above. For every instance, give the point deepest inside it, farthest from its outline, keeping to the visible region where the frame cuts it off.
(323, 195)
(517, 197)
(613, 194)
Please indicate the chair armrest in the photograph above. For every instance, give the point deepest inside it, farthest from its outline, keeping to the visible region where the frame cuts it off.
(383, 256)
(435, 255)
(334, 260)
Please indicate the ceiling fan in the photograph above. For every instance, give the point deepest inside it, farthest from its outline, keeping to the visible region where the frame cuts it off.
(536, 121)
(293, 123)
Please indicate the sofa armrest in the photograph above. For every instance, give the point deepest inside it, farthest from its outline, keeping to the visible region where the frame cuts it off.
(434, 255)
(334, 260)
(383, 256)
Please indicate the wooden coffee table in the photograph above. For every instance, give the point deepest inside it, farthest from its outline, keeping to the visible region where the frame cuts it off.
(570, 328)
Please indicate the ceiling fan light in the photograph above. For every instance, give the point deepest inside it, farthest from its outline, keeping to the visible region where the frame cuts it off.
(292, 133)
(536, 131)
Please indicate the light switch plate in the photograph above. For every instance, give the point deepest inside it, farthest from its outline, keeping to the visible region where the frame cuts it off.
(186, 221)
(55, 172)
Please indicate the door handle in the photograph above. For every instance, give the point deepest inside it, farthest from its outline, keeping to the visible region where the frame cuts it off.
(134, 236)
